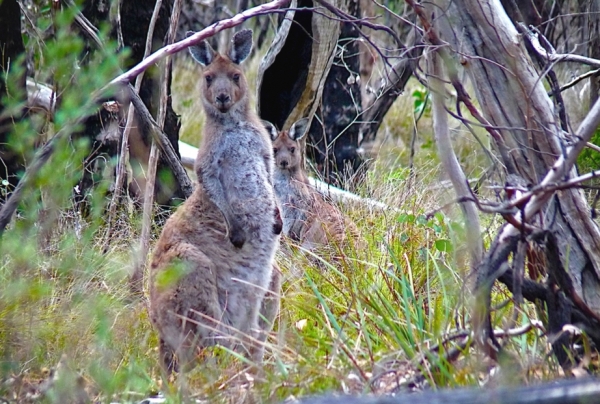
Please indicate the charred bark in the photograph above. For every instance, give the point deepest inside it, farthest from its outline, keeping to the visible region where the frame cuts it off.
(11, 47)
(292, 74)
(285, 79)
(334, 133)
(137, 15)
(373, 115)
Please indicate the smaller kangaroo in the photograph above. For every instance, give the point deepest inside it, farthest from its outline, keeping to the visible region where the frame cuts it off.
(307, 217)
(213, 279)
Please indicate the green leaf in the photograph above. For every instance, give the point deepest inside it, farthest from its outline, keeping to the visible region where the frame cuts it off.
(171, 275)
(444, 245)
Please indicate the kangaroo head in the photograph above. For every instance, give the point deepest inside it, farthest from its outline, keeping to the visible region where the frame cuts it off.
(286, 146)
(223, 85)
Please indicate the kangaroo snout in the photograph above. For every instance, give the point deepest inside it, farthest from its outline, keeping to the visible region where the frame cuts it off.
(284, 164)
(223, 102)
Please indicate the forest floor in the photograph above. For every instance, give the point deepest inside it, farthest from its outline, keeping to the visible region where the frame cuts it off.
(391, 317)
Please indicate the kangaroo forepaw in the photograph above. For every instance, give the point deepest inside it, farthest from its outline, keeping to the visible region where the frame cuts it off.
(278, 225)
(237, 238)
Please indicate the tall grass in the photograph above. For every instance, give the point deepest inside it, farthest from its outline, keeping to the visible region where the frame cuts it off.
(371, 320)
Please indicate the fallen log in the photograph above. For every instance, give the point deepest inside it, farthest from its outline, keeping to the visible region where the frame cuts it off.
(579, 391)
(188, 156)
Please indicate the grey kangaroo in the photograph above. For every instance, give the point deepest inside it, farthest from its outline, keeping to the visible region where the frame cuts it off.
(219, 245)
(307, 217)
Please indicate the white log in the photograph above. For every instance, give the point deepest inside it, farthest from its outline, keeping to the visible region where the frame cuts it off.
(188, 156)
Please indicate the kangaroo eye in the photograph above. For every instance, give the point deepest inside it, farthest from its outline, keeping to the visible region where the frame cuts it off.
(208, 79)
(275, 150)
(236, 78)
(292, 150)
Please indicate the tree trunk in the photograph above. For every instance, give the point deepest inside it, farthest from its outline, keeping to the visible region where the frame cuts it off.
(334, 134)
(514, 100)
(135, 20)
(291, 76)
(11, 46)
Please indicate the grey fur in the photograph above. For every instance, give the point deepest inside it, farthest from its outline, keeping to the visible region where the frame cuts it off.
(223, 238)
(241, 45)
(298, 129)
(307, 216)
(272, 129)
(202, 52)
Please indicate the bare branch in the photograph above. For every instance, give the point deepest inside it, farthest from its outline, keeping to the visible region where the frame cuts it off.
(449, 160)
(196, 38)
(576, 80)
(558, 57)
(124, 152)
(137, 277)
(559, 170)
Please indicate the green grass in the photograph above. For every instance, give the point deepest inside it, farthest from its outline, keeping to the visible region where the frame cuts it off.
(364, 322)
(370, 316)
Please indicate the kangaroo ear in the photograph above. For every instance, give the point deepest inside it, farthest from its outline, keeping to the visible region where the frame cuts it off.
(241, 45)
(273, 132)
(298, 129)
(202, 52)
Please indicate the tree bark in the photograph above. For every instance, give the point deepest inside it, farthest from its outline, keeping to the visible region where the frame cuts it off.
(11, 46)
(513, 99)
(292, 74)
(334, 134)
(137, 14)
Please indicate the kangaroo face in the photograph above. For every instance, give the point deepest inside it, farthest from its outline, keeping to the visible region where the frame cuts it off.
(286, 144)
(223, 84)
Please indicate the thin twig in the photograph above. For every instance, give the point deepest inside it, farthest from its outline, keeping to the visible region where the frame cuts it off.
(139, 269)
(575, 81)
(124, 153)
(195, 39)
(561, 168)
(461, 94)
(558, 57)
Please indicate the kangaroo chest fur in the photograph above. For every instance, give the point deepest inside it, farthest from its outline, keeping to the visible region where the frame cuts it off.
(235, 171)
(295, 198)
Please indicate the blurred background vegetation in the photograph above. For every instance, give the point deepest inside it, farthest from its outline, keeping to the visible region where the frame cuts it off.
(391, 317)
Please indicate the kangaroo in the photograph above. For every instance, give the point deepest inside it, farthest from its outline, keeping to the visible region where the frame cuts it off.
(213, 279)
(307, 217)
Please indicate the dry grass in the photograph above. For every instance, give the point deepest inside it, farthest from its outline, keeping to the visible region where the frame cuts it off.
(361, 323)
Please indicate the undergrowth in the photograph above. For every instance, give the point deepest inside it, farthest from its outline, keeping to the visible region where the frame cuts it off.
(379, 319)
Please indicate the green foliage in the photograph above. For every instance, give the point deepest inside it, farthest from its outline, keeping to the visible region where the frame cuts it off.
(59, 293)
(349, 318)
(420, 101)
(589, 160)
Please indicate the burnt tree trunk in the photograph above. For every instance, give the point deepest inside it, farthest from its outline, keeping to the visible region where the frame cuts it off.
(289, 60)
(312, 69)
(292, 74)
(334, 133)
(11, 46)
(135, 19)
(301, 76)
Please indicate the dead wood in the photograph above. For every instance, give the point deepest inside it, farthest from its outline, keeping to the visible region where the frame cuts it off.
(582, 391)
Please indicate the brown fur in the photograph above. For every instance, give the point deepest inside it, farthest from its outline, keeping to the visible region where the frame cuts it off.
(220, 243)
(307, 216)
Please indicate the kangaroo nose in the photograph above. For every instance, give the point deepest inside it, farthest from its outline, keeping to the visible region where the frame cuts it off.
(223, 98)
(284, 164)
